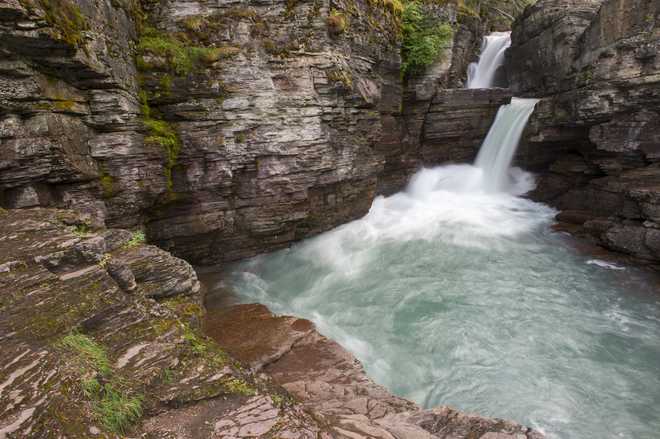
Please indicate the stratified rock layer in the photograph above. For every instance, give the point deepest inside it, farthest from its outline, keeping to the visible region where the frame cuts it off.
(595, 136)
(138, 307)
(242, 128)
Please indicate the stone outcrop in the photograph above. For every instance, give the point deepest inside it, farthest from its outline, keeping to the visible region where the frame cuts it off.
(595, 135)
(332, 384)
(240, 129)
(100, 336)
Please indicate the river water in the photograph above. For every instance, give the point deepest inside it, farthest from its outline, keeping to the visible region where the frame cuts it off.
(458, 291)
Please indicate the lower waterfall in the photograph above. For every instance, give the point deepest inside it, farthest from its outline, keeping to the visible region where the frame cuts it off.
(456, 291)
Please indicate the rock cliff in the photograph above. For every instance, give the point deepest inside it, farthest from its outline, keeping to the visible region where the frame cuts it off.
(595, 134)
(223, 129)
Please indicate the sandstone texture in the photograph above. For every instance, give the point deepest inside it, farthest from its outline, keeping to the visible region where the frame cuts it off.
(595, 135)
(329, 382)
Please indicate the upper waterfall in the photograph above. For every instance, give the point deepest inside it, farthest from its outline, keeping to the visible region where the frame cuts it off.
(482, 74)
(499, 147)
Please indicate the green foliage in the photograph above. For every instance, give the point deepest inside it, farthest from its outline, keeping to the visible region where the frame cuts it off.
(65, 16)
(116, 410)
(180, 58)
(239, 387)
(113, 408)
(509, 9)
(162, 133)
(82, 231)
(137, 239)
(88, 351)
(424, 38)
(107, 184)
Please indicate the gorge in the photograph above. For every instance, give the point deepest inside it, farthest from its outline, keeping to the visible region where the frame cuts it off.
(312, 159)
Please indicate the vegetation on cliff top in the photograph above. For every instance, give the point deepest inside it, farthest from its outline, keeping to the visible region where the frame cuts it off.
(424, 38)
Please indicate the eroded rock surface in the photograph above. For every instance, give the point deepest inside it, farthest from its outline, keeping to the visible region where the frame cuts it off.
(78, 339)
(241, 127)
(595, 135)
(329, 382)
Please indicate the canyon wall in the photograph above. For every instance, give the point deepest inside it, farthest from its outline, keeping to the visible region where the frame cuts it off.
(595, 136)
(223, 129)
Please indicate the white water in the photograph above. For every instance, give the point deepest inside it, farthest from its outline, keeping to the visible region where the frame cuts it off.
(457, 291)
(482, 74)
(500, 146)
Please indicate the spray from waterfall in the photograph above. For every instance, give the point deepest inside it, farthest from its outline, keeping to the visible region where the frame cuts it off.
(482, 74)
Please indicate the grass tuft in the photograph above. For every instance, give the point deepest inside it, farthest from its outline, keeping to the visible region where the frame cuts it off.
(116, 410)
(90, 352)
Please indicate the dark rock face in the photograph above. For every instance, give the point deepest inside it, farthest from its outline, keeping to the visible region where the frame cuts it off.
(281, 133)
(332, 384)
(595, 135)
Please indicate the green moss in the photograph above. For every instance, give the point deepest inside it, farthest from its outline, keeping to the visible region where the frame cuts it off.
(88, 351)
(165, 84)
(180, 58)
(341, 76)
(65, 16)
(107, 182)
(289, 11)
(184, 308)
(240, 137)
(203, 347)
(239, 387)
(162, 133)
(82, 231)
(64, 105)
(137, 239)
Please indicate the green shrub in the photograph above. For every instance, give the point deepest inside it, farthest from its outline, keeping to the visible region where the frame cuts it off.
(137, 239)
(424, 38)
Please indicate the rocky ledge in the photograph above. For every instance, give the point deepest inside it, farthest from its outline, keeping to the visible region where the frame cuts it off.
(330, 383)
(101, 336)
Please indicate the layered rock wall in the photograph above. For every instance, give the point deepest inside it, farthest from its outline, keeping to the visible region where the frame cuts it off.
(238, 130)
(595, 135)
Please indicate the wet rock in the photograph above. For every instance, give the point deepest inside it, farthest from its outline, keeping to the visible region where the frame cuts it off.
(332, 385)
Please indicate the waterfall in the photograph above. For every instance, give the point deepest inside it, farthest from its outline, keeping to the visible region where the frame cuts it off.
(482, 74)
(499, 147)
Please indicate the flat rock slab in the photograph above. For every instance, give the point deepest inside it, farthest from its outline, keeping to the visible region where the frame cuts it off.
(332, 384)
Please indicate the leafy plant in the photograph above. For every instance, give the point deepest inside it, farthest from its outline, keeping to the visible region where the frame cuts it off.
(424, 38)
(137, 239)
